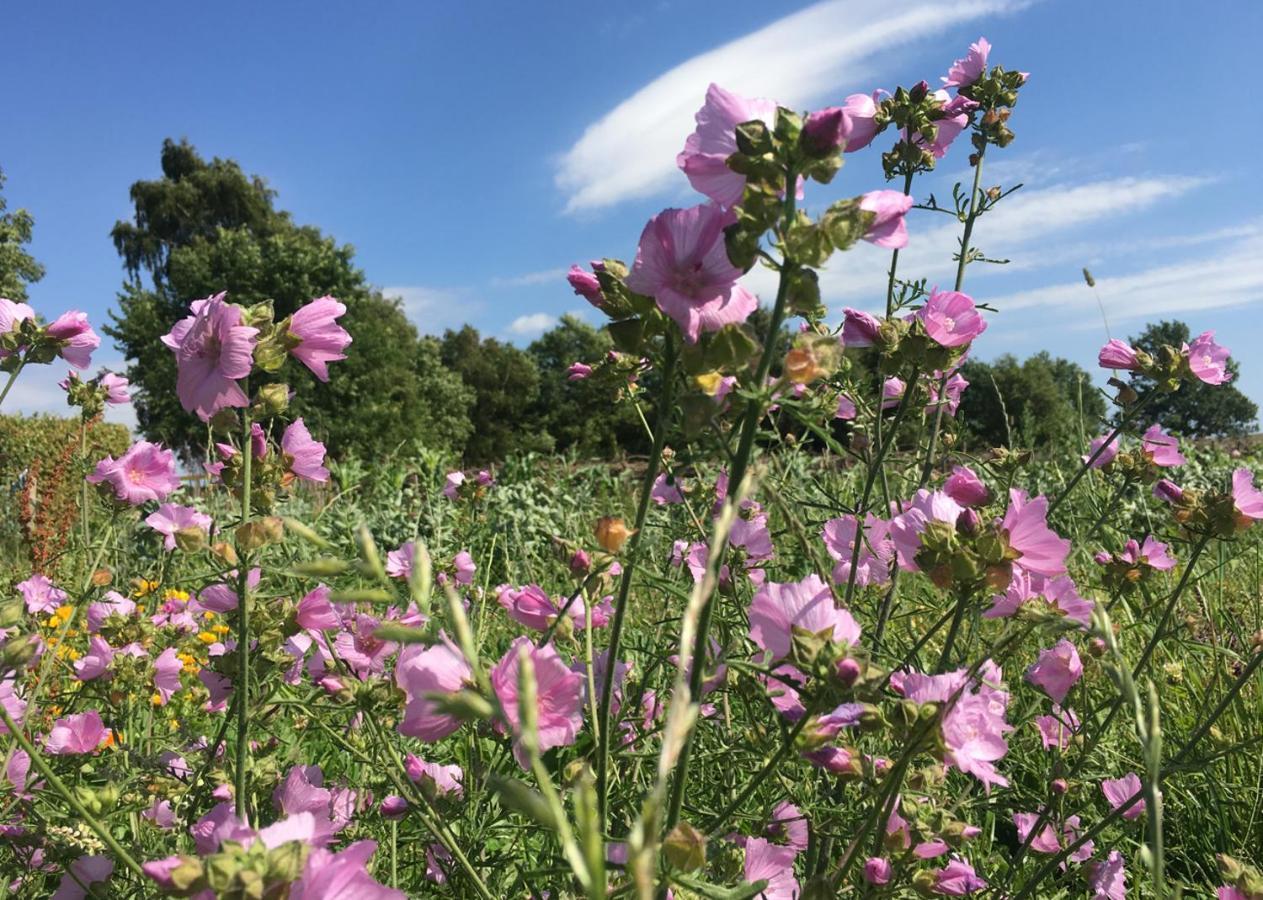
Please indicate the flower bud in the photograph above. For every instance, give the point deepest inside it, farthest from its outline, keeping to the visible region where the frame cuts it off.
(685, 847)
(17, 652)
(919, 91)
(1096, 648)
(612, 533)
(877, 870)
(580, 563)
(272, 399)
(969, 523)
(825, 132)
(847, 671)
(190, 539)
(1168, 490)
(1060, 786)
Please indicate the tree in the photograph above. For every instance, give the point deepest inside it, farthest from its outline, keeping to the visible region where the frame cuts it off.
(1041, 402)
(1196, 409)
(17, 267)
(207, 227)
(505, 383)
(581, 415)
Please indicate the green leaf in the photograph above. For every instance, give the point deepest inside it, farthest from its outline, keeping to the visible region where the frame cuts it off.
(753, 138)
(806, 242)
(627, 334)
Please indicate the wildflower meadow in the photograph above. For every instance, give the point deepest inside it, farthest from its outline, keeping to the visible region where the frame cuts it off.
(810, 644)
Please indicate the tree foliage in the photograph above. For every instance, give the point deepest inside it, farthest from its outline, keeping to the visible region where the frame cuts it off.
(17, 267)
(1196, 409)
(1043, 401)
(205, 227)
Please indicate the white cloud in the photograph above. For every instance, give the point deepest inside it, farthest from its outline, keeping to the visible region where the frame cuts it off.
(532, 325)
(37, 391)
(434, 310)
(529, 279)
(630, 151)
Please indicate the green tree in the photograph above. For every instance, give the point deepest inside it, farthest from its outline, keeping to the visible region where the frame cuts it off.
(1196, 409)
(1041, 402)
(17, 267)
(581, 415)
(505, 383)
(206, 227)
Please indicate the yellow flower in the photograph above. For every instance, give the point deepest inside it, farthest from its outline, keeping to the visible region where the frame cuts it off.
(221, 629)
(208, 615)
(207, 637)
(175, 594)
(156, 699)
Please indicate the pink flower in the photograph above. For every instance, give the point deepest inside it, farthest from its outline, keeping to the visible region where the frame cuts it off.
(1169, 492)
(1152, 553)
(1108, 880)
(160, 813)
(452, 485)
(399, 560)
(683, 264)
(439, 778)
(846, 408)
(788, 826)
(957, 879)
(463, 567)
(222, 597)
(587, 285)
(1118, 791)
(530, 606)
(166, 675)
(1057, 729)
(341, 876)
(949, 127)
(1118, 355)
(303, 456)
(558, 690)
(1161, 448)
(1044, 842)
(81, 733)
(1059, 593)
(774, 864)
(966, 488)
(145, 472)
(704, 158)
(421, 672)
(75, 338)
(1026, 524)
(861, 109)
(316, 613)
(950, 318)
(1207, 360)
(966, 71)
(877, 870)
(1247, 500)
(1094, 460)
(1228, 892)
(83, 873)
(14, 705)
(40, 594)
(953, 388)
(888, 228)
(213, 348)
(1056, 670)
(860, 329)
(12, 314)
(666, 491)
(892, 392)
(876, 550)
(115, 387)
(780, 608)
(906, 528)
(113, 603)
(171, 518)
(96, 662)
(825, 131)
(321, 339)
(578, 371)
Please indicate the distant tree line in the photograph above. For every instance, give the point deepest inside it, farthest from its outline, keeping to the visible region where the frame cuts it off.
(206, 226)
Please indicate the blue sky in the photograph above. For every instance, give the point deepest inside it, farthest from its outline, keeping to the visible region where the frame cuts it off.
(472, 151)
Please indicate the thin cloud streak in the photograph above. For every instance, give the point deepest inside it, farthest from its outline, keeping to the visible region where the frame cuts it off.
(833, 46)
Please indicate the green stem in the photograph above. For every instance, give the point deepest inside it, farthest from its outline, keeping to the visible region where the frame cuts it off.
(1096, 454)
(740, 464)
(241, 781)
(958, 616)
(84, 496)
(13, 376)
(773, 761)
(60, 787)
(633, 556)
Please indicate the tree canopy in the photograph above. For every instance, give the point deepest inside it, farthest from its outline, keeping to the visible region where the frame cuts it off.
(17, 267)
(1043, 401)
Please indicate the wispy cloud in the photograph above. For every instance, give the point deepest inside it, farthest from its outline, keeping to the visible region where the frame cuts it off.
(433, 309)
(530, 279)
(37, 391)
(532, 325)
(630, 151)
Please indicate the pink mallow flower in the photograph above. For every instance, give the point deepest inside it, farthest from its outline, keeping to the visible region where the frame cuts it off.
(1045, 841)
(1059, 594)
(96, 662)
(435, 778)
(1118, 791)
(666, 491)
(876, 551)
(166, 675)
(145, 472)
(780, 608)
(682, 262)
(859, 329)
(906, 527)
(861, 109)
(452, 485)
(1107, 880)
(422, 672)
(80, 733)
(341, 875)
(40, 594)
(586, 284)
(81, 875)
(578, 371)
(825, 131)
(1161, 448)
(969, 69)
(1056, 670)
(115, 386)
(213, 349)
(950, 318)
(321, 340)
(75, 337)
(1207, 360)
(954, 121)
(704, 158)
(12, 314)
(877, 870)
(171, 518)
(316, 613)
(966, 488)
(1247, 500)
(773, 863)
(399, 561)
(1118, 355)
(1057, 729)
(1152, 553)
(303, 455)
(558, 691)
(888, 228)
(957, 879)
(1039, 548)
(1094, 460)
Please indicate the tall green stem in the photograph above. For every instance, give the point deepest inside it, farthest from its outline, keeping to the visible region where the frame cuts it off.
(243, 626)
(666, 403)
(13, 376)
(740, 465)
(965, 238)
(84, 497)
